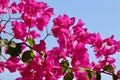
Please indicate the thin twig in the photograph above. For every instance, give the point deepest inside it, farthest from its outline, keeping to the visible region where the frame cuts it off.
(3, 56)
(12, 38)
(29, 47)
(47, 36)
(9, 33)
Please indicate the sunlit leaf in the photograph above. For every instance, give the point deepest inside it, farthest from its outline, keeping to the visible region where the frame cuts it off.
(3, 42)
(64, 69)
(12, 44)
(69, 75)
(31, 41)
(65, 65)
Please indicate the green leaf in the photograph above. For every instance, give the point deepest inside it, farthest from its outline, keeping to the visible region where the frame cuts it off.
(89, 75)
(3, 42)
(64, 70)
(14, 49)
(65, 65)
(108, 68)
(12, 44)
(98, 76)
(27, 56)
(69, 75)
(31, 41)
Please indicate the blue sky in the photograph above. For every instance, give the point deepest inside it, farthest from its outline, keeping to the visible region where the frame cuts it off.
(99, 16)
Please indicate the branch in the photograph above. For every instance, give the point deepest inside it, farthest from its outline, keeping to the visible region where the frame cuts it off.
(3, 56)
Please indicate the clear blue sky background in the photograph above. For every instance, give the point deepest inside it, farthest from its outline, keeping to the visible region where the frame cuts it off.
(99, 16)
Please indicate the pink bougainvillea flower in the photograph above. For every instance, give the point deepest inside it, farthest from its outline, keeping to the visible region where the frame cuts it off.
(111, 50)
(52, 61)
(81, 76)
(33, 34)
(49, 11)
(19, 29)
(96, 67)
(64, 21)
(55, 54)
(118, 72)
(118, 46)
(81, 35)
(72, 40)
(13, 8)
(43, 18)
(35, 13)
(26, 74)
(3, 5)
(98, 42)
(29, 21)
(62, 25)
(80, 57)
(34, 68)
(110, 60)
(12, 64)
(40, 47)
(37, 65)
(2, 27)
(101, 52)
(78, 28)
(2, 64)
(42, 22)
(110, 41)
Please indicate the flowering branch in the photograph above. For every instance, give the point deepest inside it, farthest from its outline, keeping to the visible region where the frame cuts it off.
(72, 39)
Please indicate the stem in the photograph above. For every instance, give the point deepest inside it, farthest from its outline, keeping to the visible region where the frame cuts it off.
(12, 38)
(47, 33)
(27, 34)
(106, 72)
(5, 20)
(8, 33)
(2, 16)
(5, 24)
(47, 36)
(16, 18)
(8, 13)
(3, 56)
(46, 30)
(114, 77)
(30, 47)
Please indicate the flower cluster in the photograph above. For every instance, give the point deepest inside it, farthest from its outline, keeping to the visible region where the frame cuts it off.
(70, 60)
(3, 5)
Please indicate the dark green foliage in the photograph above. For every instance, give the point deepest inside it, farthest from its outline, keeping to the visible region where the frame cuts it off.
(27, 56)
(13, 49)
(108, 68)
(89, 75)
(98, 76)
(69, 75)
